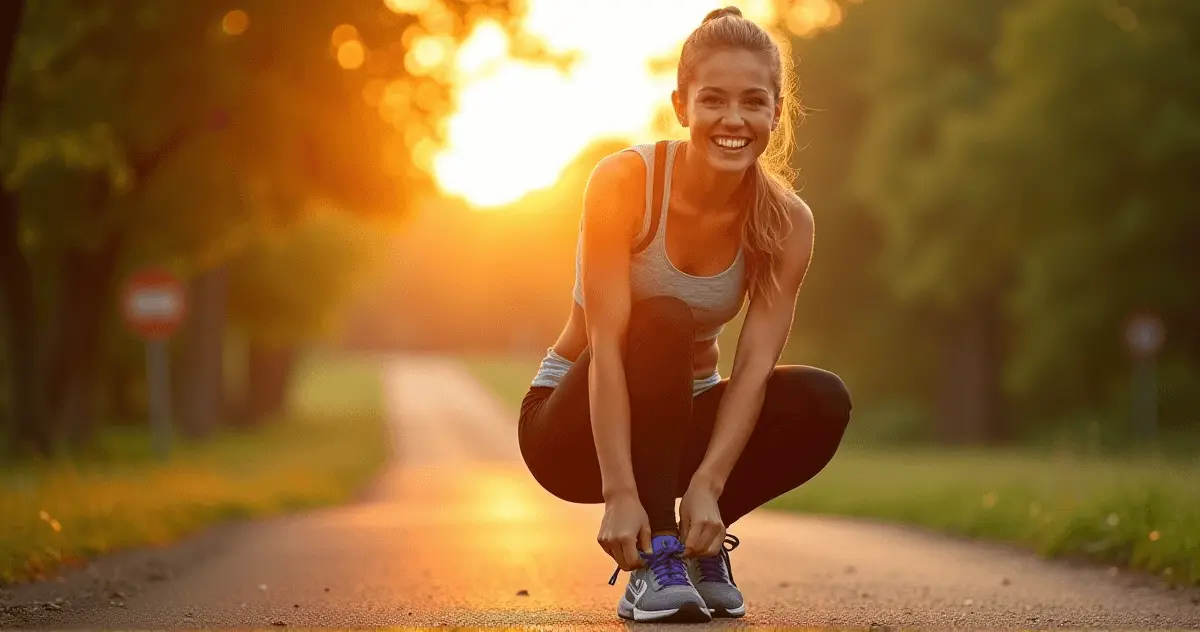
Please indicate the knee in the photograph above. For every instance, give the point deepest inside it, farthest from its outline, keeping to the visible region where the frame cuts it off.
(832, 398)
(817, 397)
(661, 316)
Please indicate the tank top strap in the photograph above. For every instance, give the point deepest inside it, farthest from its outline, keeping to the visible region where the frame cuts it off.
(665, 181)
(657, 202)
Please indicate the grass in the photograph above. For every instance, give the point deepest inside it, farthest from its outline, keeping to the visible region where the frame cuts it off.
(1140, 512)
(63, 512)
(1135, 512)
(508, 378)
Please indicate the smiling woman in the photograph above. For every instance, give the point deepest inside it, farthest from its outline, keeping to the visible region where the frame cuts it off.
(627, 407)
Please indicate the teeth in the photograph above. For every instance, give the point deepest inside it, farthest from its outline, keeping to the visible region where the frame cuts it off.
(730, 143)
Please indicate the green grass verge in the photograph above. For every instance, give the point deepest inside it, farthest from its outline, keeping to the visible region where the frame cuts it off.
(1138, 512)
(1131, 512)
(62, 512)
(508, 378)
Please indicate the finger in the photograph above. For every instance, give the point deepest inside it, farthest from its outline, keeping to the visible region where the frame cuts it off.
(707, 540)
(619, 559)
(718, 541)
(701, 541)
(711, 539)
(684, 528)
(618, 556)
(608, 550)
(693, 537)
(644, 541)
(629, 554)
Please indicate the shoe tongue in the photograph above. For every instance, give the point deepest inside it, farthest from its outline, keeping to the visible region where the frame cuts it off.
(659, 542)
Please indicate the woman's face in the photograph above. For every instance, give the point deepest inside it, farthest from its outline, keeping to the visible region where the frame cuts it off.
(730, 108)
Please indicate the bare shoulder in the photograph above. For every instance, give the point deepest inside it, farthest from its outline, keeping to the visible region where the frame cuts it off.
(623, 170)
(802, 223)
(802, 216)
(616, 194)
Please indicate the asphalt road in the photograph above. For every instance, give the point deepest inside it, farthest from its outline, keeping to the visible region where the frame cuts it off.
(457, 533)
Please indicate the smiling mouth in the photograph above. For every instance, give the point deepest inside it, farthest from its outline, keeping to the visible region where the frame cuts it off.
(732, 143)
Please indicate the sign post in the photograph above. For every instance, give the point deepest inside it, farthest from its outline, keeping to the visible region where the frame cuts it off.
(1144, 335)
(153, 304)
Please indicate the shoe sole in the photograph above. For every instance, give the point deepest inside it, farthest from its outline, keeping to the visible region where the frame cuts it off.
(687, 613)
(727, 613)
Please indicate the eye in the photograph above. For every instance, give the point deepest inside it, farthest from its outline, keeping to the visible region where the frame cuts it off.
(710, 99)
(757, 102)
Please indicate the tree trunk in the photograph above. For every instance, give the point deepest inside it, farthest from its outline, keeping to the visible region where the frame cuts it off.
(122, 379)
(86, 290)
(268, 378)
(970, 405)
(203, 390)
(32, 432)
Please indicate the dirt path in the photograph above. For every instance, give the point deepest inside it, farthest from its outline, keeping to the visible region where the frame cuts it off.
(457, 533)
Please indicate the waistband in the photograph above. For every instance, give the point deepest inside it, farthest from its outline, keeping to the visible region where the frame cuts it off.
(554, 367)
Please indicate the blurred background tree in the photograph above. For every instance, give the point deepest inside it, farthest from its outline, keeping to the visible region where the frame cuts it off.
(184, 134)
(998, 185)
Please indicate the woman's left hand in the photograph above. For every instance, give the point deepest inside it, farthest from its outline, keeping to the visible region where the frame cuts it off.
(700, 526)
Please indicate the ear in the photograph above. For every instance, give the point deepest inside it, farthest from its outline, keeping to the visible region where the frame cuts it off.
(778, 114)
(679, 102)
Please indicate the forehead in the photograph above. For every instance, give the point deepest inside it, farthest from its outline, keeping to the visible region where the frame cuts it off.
(733, 70)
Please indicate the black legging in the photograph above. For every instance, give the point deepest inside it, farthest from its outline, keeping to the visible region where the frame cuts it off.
(803, 417)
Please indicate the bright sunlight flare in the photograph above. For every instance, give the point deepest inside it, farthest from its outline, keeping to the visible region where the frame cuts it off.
(606, 72)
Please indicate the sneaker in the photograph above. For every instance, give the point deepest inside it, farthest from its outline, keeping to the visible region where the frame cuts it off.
(661, 589)
(713, 578)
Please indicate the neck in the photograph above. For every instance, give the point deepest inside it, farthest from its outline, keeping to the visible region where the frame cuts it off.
(705, 186)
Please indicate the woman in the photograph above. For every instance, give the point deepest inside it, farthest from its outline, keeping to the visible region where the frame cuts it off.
(627, 407)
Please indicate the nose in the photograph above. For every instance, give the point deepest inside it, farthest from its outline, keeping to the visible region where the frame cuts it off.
(733, 117)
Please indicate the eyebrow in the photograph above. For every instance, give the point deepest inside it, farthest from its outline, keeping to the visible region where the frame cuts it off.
(723, 91)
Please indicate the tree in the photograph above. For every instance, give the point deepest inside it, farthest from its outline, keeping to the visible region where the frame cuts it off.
(846, 317)
(173, 131)
(946, 251)
(289, 287)
(1097, 135)
(16, 289)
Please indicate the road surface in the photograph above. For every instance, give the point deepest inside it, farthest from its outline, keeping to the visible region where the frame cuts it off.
(457, 533)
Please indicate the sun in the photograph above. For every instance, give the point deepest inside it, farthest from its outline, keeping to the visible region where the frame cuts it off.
(516, 123)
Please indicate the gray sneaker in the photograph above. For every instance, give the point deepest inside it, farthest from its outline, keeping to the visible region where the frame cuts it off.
(661, 590)
(713, 578)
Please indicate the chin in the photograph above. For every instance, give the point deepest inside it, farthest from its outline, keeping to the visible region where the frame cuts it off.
(723, 164)
(729, 164)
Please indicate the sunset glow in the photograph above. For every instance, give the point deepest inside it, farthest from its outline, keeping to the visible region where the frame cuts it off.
(608, 72)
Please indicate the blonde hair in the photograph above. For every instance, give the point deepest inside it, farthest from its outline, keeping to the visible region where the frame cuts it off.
(768, 223)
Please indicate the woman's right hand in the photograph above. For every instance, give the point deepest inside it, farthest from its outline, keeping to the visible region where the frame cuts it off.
(625, 529)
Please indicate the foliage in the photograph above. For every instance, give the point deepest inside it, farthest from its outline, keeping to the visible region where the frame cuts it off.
(1104, 182)
(1037, 158)
(192, 134)
(64, 512)
(265, 119)
(289, 285)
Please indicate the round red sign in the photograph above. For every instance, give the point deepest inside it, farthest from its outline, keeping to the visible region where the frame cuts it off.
(1144, 334)
(154, 303)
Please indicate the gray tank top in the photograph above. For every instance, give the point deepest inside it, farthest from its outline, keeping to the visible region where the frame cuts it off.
(714, 300)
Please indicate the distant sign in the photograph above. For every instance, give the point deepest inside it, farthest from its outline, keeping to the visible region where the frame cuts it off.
(1144, 334)
(154, 303)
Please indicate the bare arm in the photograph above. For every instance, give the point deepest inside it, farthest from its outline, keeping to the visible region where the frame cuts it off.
(612, 208)
(764, 333)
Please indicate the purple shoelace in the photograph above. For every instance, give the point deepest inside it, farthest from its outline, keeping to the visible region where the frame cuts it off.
(714, 569)
(666, 563)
